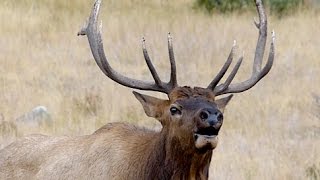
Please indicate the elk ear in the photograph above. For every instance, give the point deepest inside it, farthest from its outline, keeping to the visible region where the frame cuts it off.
(152, 106)
(221, 103)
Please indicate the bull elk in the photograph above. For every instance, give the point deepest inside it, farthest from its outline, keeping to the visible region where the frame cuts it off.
(191, 118)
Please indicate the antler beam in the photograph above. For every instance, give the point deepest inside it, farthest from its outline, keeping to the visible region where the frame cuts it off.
(257, 73)
(96, 45)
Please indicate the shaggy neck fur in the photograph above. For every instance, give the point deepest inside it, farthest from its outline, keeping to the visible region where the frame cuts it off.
(170, 159)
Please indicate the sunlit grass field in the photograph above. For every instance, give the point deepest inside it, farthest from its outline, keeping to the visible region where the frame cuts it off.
(270, 132)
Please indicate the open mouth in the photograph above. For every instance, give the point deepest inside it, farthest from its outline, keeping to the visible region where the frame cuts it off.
(206, 138)
(208, 131)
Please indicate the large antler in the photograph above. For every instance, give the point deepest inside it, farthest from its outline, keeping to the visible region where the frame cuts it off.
(257, 73)
(96, 45)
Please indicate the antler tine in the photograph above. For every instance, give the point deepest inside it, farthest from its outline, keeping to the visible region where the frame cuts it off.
(257, 72)
(149, 64)
(269, 64)
(96, 46)
(262, 39)
(173, 77)
(224, 86)
(224, 68)
(89, 29)
(243, 86)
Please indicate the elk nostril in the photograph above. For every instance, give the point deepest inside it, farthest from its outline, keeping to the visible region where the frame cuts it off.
(220, 117)
(204, 115)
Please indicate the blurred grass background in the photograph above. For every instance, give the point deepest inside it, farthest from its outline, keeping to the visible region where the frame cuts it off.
(270, 132)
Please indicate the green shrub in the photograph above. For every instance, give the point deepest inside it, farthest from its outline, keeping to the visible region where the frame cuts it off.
(282, 7)
(313, 172)
(278, 7)
(223, 5)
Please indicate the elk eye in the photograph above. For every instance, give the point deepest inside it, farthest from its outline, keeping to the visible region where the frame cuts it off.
(174, 111)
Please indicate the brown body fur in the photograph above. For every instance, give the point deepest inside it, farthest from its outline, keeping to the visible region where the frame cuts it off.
(191, 119)
(115, 151)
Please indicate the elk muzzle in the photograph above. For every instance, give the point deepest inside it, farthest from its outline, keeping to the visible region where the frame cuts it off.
(212, 117)
(206, 134)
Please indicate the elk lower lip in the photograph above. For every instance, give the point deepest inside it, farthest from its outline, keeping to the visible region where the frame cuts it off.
(205, 142)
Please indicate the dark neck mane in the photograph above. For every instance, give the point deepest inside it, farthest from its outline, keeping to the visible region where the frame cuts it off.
(168, 159)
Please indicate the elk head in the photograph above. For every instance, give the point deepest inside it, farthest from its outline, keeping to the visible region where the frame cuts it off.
(192, 116)
(189, 115)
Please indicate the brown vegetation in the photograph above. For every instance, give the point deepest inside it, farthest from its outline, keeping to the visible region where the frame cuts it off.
(270, 132)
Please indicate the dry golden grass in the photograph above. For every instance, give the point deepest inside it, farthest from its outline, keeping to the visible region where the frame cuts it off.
(270, 132)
